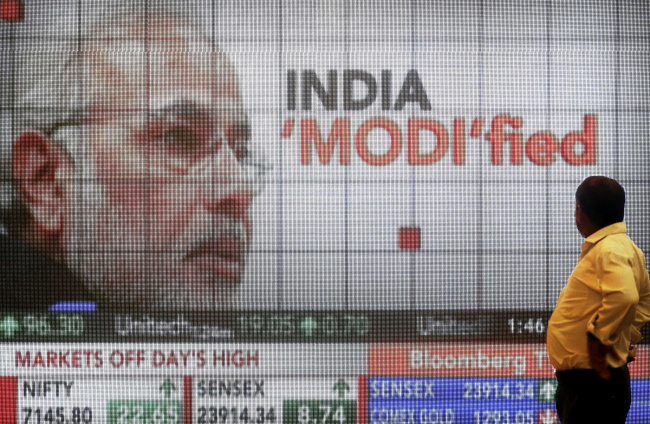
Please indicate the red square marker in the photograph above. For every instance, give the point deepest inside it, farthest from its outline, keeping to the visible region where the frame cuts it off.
(409, 238)
(11, 10)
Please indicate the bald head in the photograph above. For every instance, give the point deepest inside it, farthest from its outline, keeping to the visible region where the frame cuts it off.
(602, 200)
(133, 63)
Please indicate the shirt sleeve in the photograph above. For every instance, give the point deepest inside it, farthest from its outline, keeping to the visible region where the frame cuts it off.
(620, 298)
(643, 308)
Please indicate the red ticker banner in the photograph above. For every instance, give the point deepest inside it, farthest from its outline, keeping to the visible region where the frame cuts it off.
(473, 360)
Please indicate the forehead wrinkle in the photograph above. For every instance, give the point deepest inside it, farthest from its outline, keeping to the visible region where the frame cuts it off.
(120, 77)
(179, 67)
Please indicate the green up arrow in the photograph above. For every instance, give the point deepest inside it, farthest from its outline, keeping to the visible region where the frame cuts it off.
(341, 387)
(546, 390)
(168, 387)
(9, 326)
(309, 326)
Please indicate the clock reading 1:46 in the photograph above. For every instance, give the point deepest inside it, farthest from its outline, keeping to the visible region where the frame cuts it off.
(530, 326)
(319, 412)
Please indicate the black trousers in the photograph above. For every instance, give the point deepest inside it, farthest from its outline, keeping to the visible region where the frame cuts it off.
(583, 397)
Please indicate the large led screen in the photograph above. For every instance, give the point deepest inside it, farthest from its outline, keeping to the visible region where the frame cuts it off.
(383, 156)
(305, 211)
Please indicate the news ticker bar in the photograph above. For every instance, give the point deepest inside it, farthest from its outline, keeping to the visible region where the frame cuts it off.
(417, 360)
(291, 327)
(260, 400)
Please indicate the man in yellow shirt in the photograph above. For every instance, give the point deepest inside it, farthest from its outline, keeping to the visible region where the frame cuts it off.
(600, 312)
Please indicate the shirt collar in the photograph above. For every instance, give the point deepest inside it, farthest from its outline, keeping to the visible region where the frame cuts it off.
(617, 228)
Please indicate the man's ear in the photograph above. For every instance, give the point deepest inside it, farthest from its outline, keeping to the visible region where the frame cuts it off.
(35, 161)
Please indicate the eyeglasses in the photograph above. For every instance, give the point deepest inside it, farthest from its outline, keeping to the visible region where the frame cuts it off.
(183, 137)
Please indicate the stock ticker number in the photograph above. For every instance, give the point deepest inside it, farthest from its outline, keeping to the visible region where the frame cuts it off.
(487, 390)
(503, 417)
(285, 326)
(319, 412)
(59, 415)
(244, 415)
(144, 412)
(48, 326)
(323, 415)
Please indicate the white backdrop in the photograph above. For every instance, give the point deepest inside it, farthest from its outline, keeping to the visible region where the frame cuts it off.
(491, 236)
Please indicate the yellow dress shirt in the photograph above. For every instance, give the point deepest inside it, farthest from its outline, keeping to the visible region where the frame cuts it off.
(607, 295)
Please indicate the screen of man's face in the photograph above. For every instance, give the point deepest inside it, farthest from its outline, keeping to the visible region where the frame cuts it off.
(304, 212)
